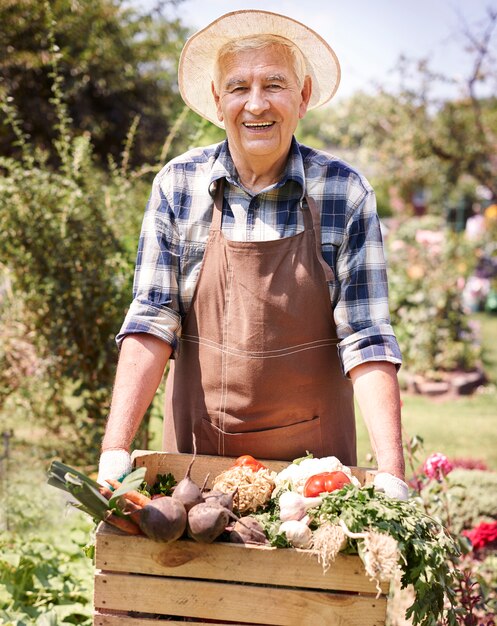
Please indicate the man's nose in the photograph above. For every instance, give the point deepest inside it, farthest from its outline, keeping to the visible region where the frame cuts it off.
(257, 101)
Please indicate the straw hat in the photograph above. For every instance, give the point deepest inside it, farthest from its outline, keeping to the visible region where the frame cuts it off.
(198, 58)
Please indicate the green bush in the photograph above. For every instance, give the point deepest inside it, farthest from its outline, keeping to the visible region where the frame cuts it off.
(464, 499)
(44, 582)
(45, 577)
(427, 267)
(69, 277)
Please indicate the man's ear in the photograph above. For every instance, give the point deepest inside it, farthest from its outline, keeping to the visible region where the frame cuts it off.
(306, 96)
(217, 100)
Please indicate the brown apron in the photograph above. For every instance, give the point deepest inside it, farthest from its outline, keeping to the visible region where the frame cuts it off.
(258, 371)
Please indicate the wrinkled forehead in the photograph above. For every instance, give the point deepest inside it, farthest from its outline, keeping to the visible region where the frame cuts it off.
(271, 57)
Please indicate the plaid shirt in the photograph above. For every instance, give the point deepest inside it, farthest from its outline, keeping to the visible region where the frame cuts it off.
(176, 227)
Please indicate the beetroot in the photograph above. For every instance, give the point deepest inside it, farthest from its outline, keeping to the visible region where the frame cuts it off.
(248, 530)
(187, 491)
(220, 498)
(207, 521)
(163, 519)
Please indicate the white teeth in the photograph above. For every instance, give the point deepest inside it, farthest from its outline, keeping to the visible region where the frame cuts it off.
(258, 124)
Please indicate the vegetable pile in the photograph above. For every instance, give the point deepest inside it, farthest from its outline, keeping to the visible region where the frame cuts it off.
(313, 504)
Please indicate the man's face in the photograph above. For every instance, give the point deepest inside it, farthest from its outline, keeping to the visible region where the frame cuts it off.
(260, 103)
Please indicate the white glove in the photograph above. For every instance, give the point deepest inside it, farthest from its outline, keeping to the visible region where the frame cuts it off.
(113, 464)
(391, 486)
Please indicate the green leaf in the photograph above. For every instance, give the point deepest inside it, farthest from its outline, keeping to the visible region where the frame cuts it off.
(57, 473)
(132, 482)
(90, 500)
(308, 455)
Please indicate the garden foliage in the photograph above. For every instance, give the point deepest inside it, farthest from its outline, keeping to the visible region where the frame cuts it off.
(427, 268)
(463, 500)
(67, 276)
(45, 577)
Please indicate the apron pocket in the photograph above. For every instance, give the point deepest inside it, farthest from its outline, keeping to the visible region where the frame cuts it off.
(283, 444)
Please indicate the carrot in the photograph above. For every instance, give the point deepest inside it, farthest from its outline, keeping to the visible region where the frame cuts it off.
(133, 496)
(123, 524)
(130, 508)
(137, 498)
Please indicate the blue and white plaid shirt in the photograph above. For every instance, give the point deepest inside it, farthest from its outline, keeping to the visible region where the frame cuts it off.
(176, 227)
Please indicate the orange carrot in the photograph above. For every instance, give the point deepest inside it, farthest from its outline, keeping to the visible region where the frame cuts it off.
(133, 496)
(137, 498)
(130, 508)
(123, 524)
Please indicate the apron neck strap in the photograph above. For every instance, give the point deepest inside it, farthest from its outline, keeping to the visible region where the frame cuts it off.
(313, 211)
(217, 213)
(307, 214)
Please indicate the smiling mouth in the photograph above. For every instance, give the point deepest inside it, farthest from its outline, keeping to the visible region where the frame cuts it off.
(258, 125)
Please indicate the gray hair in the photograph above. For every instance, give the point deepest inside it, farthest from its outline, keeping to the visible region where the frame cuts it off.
(259, 42)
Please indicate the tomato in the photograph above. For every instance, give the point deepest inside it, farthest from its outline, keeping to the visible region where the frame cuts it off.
(248, 461)
(325, 482)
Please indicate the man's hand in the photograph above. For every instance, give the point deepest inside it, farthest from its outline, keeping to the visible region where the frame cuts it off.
(114, 464)
(391, 486)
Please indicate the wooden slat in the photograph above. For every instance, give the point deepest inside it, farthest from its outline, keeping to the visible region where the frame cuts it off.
(162, 463)
(246, 603)
(100, 619)
(232, 562)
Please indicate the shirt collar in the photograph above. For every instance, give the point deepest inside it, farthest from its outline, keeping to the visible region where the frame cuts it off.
(225, 168)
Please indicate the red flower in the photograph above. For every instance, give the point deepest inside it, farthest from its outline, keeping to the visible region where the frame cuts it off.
(481, 535)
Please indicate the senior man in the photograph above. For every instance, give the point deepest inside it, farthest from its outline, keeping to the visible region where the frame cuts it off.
(260, 273)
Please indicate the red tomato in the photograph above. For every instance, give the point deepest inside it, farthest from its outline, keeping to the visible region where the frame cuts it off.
(325, 482)
(248, 461)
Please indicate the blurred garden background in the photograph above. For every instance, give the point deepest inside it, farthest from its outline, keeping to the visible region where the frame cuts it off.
(90, 111)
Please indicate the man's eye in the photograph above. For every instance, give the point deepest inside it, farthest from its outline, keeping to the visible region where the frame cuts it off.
(275, 87)
(238, 89)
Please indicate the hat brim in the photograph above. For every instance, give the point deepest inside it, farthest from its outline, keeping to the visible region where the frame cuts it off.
(198, 58)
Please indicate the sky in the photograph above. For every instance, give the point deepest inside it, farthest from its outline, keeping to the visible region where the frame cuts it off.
(369, 36)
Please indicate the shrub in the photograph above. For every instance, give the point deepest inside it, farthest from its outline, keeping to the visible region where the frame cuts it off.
(427, 266)
(46, 578)
(70, 277)
(472, 497)
(44, 582)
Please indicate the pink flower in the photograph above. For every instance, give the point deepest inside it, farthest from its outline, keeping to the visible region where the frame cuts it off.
(437, 466)
(481, 535)
(430, 237)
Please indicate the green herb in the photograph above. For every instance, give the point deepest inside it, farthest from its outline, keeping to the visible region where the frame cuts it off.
(163, 486)
(270, 521)
(427, 551)
(308, 455)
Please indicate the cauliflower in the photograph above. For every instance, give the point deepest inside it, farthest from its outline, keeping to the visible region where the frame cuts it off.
(294, 476)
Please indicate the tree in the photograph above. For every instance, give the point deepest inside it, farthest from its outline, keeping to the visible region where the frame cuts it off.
(415, 140)
(116, 63)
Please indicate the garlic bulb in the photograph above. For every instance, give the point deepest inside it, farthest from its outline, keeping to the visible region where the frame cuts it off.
(297, 533)
(293, 506)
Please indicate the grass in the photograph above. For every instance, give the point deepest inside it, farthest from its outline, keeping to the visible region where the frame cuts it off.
(464, 427)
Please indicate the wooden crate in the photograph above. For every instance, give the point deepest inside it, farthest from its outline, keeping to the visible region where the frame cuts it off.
(139, 581)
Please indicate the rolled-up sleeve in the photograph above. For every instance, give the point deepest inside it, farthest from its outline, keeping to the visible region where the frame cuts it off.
(362, 314)
(155, 307)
